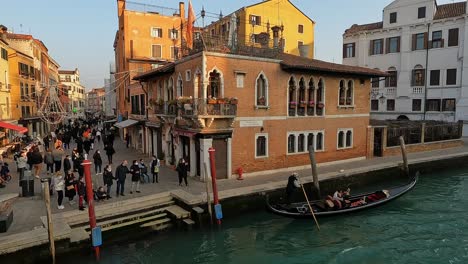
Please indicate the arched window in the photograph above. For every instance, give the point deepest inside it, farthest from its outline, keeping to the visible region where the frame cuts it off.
(320, 91)
(340, 139)
(180, 86)
(311, 98)
(310, 140)
(262, 90)
(161, 89)
(418, 76)
(214, 84)
(301, 143)
(349, 138)
(391, 81)
(291, 143)
(319, 141)
(349, 93)
(170, 89)
(292, 91)
(302, 92)
(342, 93)
(319, 106)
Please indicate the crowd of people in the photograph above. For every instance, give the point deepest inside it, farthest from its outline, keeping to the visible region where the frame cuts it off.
(67, 172)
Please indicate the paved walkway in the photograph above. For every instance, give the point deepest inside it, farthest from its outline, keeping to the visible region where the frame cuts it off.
(28, 210)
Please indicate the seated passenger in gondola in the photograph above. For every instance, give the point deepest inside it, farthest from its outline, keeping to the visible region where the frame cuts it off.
(359, 202)
(379, 195)
(338, 199)
(293, 183)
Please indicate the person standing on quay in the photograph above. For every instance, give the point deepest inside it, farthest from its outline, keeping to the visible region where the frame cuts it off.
(121, 175)
(127, 139)
(182, 169)
(155, 164)
(136, 174)
(67, 164)
(109, 152)
(36, 161)
(59, 186)
(70, 190)
(22, 164)
(108, 179)
(97, 162)
(57, 154)
(49, 161)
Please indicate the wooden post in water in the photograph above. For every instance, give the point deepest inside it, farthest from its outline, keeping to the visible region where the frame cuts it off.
(313, 163)
(405, 158)
(50, 226)
(208, 200)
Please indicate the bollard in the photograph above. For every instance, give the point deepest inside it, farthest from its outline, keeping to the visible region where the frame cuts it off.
(217, 206)
(90, 195)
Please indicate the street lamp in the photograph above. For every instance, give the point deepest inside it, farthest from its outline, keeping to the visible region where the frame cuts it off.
(203, 13)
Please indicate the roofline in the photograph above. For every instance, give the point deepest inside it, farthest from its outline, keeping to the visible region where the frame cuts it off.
(21, 53)
(286, 67)
(259, 3)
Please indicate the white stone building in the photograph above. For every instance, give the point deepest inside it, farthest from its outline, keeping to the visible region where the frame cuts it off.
(76, 93)
(422, 45)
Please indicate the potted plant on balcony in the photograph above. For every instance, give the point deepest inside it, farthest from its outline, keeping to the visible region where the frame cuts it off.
(312, 103)
(160, 101)
(212, 100)
(292, 104)
(234, 100)
(222, 100)
(303, 104)
(320, 105)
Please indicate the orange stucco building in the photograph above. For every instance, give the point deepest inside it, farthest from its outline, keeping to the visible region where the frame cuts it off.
(259, 113)
(147, 37)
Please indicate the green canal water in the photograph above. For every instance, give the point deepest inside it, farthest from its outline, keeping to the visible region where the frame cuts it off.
(427, 225)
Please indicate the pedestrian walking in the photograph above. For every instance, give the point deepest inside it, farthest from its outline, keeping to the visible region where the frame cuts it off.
(144, 172)
(59, 186)
(97, 162)
(98, 136)
(57, 155)
(109, 152)
(67, 164)
(155, 164)
(121, 175)
(108, 179)
(127, 139)
(49, 161)
(136, 174)
(36, 161)
(70, 187)
(22, 164)
(182, 169)
(75, 156)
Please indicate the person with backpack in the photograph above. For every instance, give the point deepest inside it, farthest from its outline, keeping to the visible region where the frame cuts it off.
(155, 164)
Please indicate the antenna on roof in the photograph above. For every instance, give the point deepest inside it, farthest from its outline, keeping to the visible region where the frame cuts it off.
(21, 28)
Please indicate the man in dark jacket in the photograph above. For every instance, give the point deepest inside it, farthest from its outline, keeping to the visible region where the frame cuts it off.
(67, 164)
(121, 174)
(36, 160)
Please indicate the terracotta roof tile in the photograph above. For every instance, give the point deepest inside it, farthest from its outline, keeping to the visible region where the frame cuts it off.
(450, 10)
(168, 68)
(292, 62)
(357, 28)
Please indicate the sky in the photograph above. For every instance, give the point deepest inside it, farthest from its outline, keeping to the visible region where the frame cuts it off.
(80, 33)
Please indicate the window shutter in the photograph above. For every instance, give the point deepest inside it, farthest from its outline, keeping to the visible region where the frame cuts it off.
(354, 50)
(344, 51)
(259, 20)
(425, 40)
(387, 45)
(382, 46)
(398, 44)
(371, 47)
(413, 45)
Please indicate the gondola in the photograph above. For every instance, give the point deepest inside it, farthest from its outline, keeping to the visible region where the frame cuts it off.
(301, 209)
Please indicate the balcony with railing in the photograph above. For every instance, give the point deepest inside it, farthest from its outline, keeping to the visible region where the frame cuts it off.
(198, 107)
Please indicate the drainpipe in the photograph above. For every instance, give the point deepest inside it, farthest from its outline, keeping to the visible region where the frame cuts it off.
(426, 75)
(146, 99)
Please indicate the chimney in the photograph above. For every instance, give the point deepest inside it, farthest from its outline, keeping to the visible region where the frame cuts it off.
(3, 32)
(182, 10)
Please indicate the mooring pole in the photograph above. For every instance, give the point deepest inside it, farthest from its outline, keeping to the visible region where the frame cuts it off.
(405, 158)
(313, 163)
(211, 151)
(208, 200)
(50, 226)
(90, 195)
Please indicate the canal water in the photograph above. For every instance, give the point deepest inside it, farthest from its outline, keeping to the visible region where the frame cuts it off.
(427, 225)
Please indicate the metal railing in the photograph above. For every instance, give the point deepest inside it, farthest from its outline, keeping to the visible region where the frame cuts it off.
(197, 107)
(417, 132)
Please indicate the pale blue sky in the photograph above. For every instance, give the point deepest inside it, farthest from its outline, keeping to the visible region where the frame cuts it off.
(80, 33)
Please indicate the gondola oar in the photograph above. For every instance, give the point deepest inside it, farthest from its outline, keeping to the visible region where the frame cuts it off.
(308, 203)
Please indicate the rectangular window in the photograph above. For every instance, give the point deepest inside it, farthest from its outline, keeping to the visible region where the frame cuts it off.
(173, 33)
(418, 77)
(255, 20)
(391, 105)
(349, 50)
(300, 44)
(376, 46)
(435, 77)
(419, 41)
(156, 51)
(300, 28)
(156, 32)
(422, 12)
(453, 37)
(393, 17)
(4, 54)
(433, 105)
(261, 145)
(448, 105)
(391, 81)
(437, 41)
(240, 79)
(375, 82)
(188, 75)
(393, 45)
(173, 52)
(374, 105)
(417, 104)
(451, 77)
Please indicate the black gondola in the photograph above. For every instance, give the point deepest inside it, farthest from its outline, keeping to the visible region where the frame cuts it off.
(301, 209)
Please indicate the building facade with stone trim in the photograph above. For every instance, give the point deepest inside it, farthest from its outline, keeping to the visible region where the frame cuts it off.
(421, 44)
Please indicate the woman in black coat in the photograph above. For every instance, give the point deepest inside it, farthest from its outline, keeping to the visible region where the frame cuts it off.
(108, 179)
(67, 164)
(97, 162)
(70, 186)
(182, 170)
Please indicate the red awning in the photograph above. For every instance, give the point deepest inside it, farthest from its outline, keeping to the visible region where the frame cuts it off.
(20, 129)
